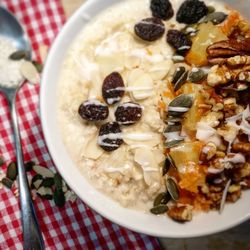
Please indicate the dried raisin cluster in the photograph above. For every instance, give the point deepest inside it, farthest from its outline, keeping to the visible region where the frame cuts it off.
(110, 134)
(162, 9)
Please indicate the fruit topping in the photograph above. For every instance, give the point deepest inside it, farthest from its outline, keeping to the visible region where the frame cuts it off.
(162, 9)
(191, 11)
(150, 29)
(113, 88)
(110, 136)
(128, 113)
(179, 41)
(93, 110)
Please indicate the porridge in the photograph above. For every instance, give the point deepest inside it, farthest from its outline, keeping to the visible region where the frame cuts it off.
(154, 109)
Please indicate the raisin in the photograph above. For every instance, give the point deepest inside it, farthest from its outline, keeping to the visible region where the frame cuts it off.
(150, 29)
(179, 41)
(93, 110)
(162, 9)
(128, 113)
(113, 88)
(110, 137)
(191, 11)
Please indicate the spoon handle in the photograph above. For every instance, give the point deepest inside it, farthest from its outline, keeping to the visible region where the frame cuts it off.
(32, 236)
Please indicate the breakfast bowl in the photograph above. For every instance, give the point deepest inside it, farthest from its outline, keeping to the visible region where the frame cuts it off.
(134, 219)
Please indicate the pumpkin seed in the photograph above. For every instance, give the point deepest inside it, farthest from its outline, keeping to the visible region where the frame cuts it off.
(173, 128)
(36, 181)
(166, 167)
(172, 163)
(59, 197)
(178, 73)
(162, 199)
(19, 55)
(12, 171)
(215, 18)
(7, 182)
(210, 9)
(172, 119)
(178, 58)
(38, 66)
(44, 172)
(29, 165)
(173, 188)
(196, 76)
(45, 193)
(161, 209)
(58, 181)
(174, 143)
(1, 161)
(180, 105)
(48, 182)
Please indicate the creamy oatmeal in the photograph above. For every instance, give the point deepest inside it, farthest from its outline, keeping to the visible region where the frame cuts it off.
(134, 91)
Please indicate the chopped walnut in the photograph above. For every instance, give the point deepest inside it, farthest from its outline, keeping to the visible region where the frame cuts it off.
(208, 152)
(212, 119)
(181, 213)
(241, 147)
(233, 197)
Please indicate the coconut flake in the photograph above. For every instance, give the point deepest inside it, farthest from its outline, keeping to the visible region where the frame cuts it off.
(224, 196)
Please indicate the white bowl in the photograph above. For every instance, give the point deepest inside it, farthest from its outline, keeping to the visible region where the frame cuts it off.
(161, 226)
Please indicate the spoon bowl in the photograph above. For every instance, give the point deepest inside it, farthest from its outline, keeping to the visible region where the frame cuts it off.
(12, 29)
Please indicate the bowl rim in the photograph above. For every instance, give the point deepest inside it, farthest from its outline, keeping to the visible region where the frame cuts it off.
(50, 144)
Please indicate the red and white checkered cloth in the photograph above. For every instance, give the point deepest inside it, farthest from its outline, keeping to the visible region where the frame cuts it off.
(75, 226)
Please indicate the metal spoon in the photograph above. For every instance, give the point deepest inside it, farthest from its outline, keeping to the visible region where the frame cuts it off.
(10, 28)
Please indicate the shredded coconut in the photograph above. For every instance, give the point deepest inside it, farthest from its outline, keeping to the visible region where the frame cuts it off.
(10, 75)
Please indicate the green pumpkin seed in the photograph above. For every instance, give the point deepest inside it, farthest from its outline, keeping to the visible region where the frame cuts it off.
(45, 193)
(178, 58)
(210, 9)
(196, 76)
(173, 188)
(59, 197)
(215, 18)
(173, 128)
(29, 165)
(58, 181)
(36, 181)
(172, 119)
(162, 199)
(12, 171)
(19, 55)
(161, 209)
(171, 160)
(178, 73)
(48, 182)
(38, 66)
(1, 161)
(166, 167)
(180, 105)
(7, 182)
(173, 143)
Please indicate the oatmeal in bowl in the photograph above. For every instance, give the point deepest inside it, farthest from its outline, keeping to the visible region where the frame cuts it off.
(154, 105)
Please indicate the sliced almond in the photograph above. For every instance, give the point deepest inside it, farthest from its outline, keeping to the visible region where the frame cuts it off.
(111, 63)
(91, 149)
(29, 72)
(140, 85)
(44, 172)
(160, 70)
(145, 158)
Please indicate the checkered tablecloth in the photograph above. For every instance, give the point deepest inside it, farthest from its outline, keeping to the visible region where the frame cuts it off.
(75, 226)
